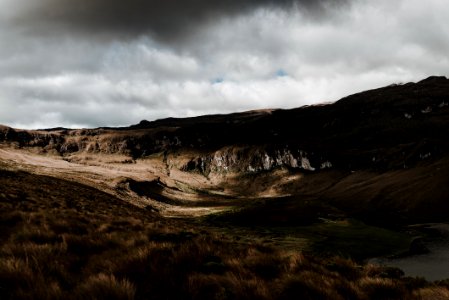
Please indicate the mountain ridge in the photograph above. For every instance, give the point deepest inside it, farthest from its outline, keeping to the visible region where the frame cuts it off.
(389, 127)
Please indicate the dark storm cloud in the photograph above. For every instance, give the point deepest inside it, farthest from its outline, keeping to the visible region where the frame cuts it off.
(88, 63)
(165, 19)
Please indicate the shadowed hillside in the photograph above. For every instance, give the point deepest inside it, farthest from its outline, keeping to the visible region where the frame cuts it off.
(269, 204)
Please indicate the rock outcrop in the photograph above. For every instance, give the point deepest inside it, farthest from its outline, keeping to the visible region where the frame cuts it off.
(253, 160)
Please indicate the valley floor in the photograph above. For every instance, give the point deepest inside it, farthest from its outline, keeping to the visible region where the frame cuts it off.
(109, 228)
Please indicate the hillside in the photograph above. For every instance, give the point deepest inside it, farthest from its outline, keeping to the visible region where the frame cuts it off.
(387, 146)
(267, 204)
(75, 242)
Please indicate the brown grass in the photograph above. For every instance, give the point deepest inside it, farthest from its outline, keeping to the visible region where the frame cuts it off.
(74, 242)
(434, 293)
(102, 286)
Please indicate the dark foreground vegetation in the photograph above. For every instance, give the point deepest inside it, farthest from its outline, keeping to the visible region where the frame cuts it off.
(63, 240)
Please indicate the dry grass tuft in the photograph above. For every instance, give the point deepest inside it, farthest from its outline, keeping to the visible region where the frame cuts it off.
(383, 289)
(432, 293)
(102, 286)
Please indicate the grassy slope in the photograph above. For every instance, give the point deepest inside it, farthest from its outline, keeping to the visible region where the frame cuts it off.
(64, 240)
(389, 198)
(414, 195)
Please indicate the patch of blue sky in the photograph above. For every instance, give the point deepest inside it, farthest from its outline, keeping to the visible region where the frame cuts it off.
(217, 80)
(281, 73)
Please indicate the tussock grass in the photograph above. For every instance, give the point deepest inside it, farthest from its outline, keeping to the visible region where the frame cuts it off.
(102, 286)
(117, 251)
(434, 293)
(383, 288)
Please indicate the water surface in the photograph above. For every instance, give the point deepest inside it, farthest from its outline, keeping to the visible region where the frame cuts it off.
(433, 265)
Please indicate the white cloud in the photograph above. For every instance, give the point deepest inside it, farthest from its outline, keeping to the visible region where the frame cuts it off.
(67, 79)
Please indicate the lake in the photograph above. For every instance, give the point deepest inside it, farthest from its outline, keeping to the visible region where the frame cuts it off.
(433, 265)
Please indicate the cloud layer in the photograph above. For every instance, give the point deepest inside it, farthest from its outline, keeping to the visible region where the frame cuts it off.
(163, 19)
(62, 67)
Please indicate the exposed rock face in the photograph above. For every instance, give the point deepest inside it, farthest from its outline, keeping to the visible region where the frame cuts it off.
(252, 159)
(134, 143)
(44, 140)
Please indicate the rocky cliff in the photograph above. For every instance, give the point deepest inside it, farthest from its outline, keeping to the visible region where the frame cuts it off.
(253, 160)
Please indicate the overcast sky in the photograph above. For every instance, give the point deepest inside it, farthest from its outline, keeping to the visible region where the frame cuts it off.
(90, 63)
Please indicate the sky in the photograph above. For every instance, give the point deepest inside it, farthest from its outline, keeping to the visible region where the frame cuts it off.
(91, 63)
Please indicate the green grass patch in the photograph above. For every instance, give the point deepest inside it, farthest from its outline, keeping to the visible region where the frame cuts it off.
(352, 238)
